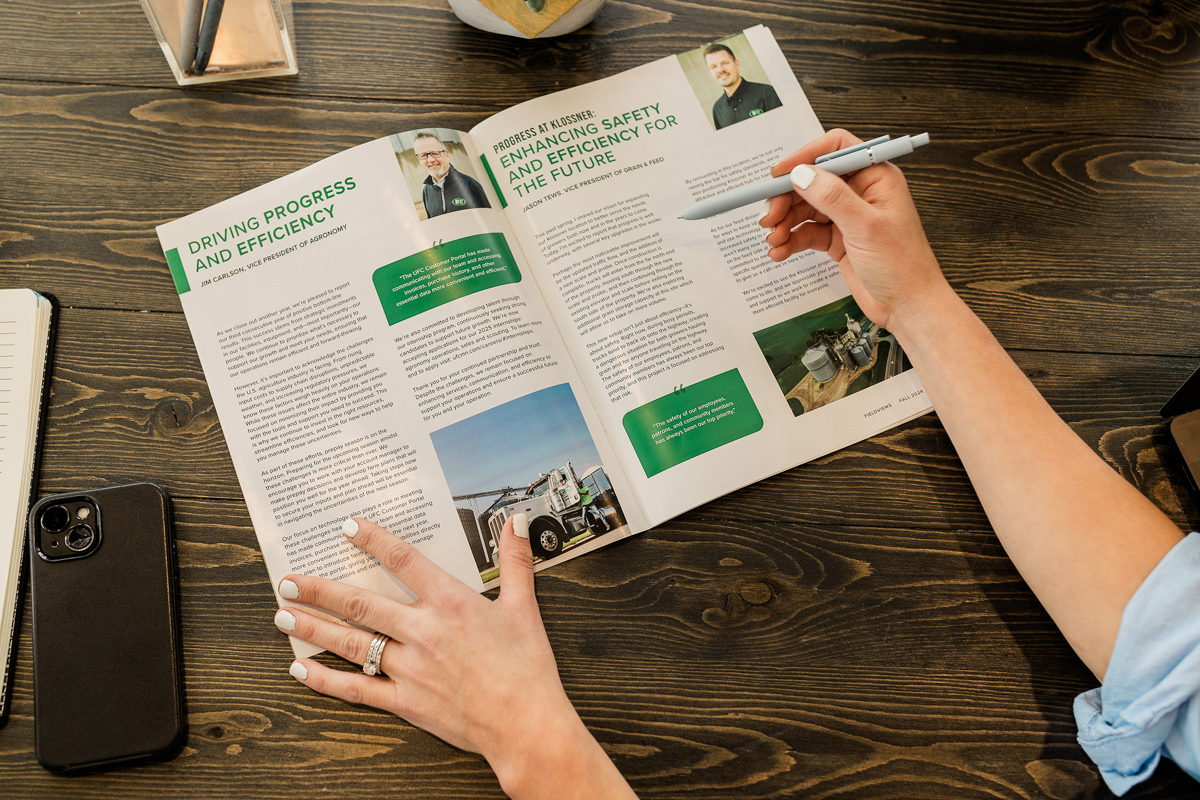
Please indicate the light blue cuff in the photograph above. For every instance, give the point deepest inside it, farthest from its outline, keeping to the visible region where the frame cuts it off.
(1146, 708)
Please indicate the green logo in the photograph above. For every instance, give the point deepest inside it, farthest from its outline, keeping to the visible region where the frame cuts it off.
(458, 201)
(756, 112)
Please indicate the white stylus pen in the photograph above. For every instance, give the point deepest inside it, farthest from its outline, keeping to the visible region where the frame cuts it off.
(859, 156)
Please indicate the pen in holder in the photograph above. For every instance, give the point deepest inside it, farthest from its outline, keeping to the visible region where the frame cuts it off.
(218, 41)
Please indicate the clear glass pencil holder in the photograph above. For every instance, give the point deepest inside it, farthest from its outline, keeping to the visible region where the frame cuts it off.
(251, 39)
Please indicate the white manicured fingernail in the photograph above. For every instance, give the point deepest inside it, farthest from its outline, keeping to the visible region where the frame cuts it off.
(350, 527)
(766, 209)
(298, 671)
(520, 526)
(288, 590)
(803, 175)
(285, 620)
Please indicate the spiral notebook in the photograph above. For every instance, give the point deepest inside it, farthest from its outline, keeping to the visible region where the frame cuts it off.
(26, 334)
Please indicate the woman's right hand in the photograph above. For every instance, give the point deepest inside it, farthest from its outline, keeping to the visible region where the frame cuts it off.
(866, 222)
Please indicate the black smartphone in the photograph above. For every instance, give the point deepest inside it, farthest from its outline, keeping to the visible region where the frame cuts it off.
(1185, 430)
(107, 663)
(1184, 406)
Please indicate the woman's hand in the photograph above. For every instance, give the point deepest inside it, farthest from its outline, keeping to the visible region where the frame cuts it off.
(867, 223)
(1083, 538)
(477, 673)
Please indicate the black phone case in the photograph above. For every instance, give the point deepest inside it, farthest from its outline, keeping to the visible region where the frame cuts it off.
(1185, 430)
(106, 652)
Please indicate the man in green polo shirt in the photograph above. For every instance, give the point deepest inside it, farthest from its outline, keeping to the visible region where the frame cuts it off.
(742, 99)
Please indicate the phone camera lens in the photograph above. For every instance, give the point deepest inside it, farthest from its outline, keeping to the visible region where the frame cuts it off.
(55, 518)
(80, 538)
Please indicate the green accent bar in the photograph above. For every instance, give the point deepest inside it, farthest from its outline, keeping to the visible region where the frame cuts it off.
(177, 272)
(488, 168)
(692, 421)
(444, 273)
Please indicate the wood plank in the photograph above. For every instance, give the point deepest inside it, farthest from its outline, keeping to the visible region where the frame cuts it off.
(1084, 67)
(875, 658)
(129, 403)
(1033, 229)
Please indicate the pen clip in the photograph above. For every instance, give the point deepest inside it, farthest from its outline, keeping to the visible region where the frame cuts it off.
(853, 148)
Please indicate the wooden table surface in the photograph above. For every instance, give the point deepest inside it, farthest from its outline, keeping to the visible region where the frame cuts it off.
(848, 629)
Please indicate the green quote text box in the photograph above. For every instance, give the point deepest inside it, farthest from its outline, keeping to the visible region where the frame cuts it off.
(703, 417)
(444, 273)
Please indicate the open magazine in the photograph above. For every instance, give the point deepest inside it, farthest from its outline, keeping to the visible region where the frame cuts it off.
(438, 329)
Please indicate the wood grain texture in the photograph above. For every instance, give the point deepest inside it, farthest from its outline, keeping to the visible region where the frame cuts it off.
(1091, 230)
(846, 629)
(1097, 65)
(129, 402)
(712, 659)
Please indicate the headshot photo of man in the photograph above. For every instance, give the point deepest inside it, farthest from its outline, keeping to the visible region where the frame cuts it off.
(741, 99)
(446, 189)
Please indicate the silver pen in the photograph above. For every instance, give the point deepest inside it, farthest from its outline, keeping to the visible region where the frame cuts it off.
(859, 156)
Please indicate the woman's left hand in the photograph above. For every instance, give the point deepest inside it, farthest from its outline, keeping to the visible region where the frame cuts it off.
(476, 673)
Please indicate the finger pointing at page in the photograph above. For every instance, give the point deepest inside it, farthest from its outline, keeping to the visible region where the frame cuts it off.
(516, 564)
(400, 558)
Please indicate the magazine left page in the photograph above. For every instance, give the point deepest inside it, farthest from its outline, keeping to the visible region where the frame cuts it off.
(374, 348)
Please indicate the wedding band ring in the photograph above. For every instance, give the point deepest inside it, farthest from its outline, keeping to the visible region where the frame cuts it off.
(375, 655)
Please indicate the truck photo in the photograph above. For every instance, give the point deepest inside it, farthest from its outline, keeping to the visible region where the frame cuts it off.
(555, 511)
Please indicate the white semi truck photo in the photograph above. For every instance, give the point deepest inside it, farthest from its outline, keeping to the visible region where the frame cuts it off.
(555, 511)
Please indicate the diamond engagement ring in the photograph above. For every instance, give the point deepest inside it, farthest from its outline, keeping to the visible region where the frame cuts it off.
(374, 655)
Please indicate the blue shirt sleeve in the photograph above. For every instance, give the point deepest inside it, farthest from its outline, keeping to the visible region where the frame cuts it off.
(1148, 706)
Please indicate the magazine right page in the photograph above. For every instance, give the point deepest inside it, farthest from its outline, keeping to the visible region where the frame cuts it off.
(710, 366)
